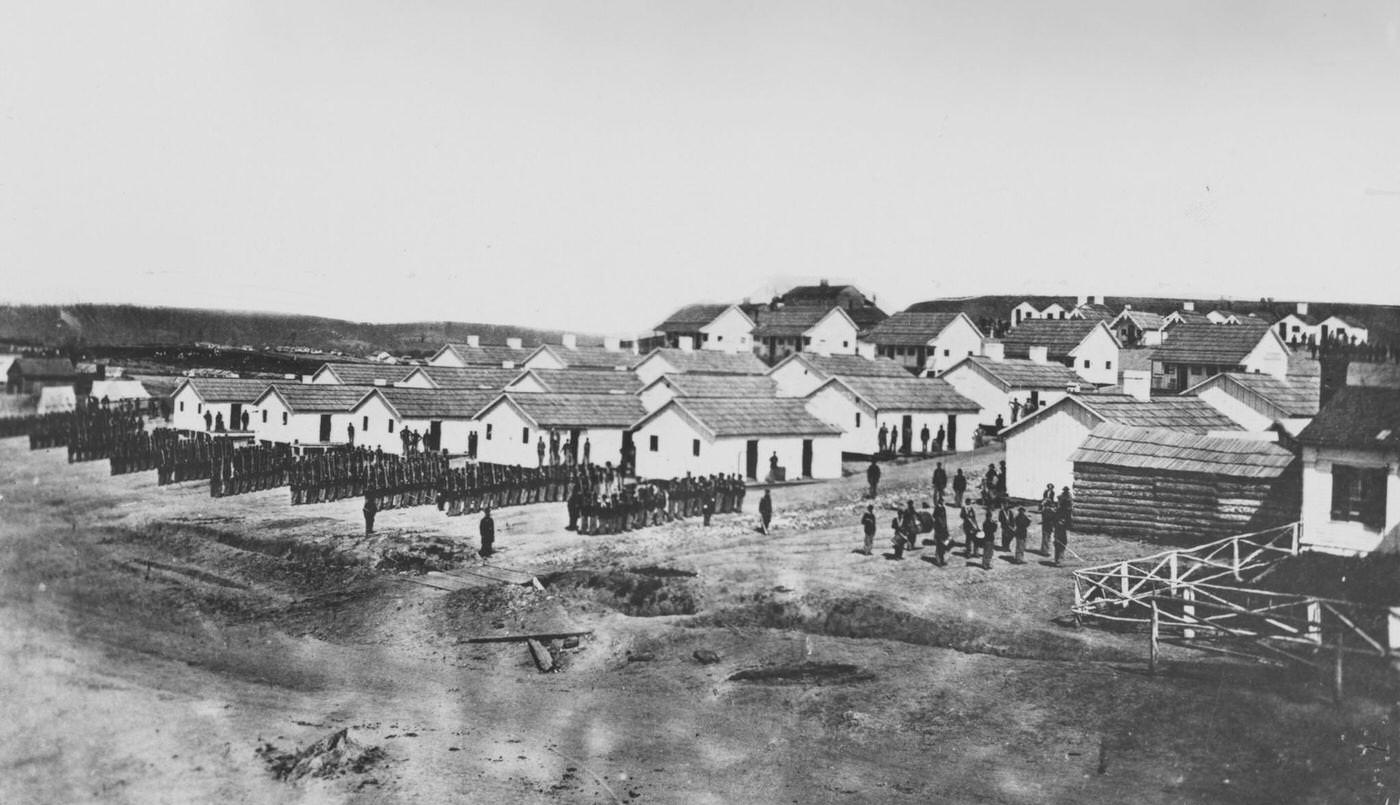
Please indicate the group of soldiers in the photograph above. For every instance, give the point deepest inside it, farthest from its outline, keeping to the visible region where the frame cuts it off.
(240, 469)
(48, 430)
(183, 455)
(481, 486)
(394, 482)
(979, 537)
(98, 427)
(601, 510)
(890, 440)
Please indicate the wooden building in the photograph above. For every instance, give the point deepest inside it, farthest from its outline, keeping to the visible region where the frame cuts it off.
(510, 427)
(668, 387)
(994, 382)
(27, 375)
(719, 327)
(1087, 346)
(1134, 327)
(861, 406)
(446, 418)
(1190, 353)
(359, 374)
(1257, 402)
(199, 403)
(568, 355)
(1182, 487)
(799, 375)
(473, 353)
(825, 331)
(667, 361)
(1038, 448)
(485, 378)
(925, 342)
(1351, 472)
(708, 435)
(574, 381)
(309, 414)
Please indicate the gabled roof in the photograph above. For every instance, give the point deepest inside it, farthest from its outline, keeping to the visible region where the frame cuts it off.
(364, 374)
(906, 328)
(1294, 397)
(1189, 317)
(487, 354)
(695, 385)
(1142, 319)
(573, 410)
(43, 367)
(1021, 373)
(467, 377)
(721, 417)
(828, 366)
(908, 394)
(1187, 414)
(587, 357)
(1357, 417)
(692, 317)
(431, 403)
(1095, 312)
(794, 321)
(1172, 451)
(812, 294)
(1058, 336)
(574, 381)
(708, 361)
(315, 397)
(1305, 318)
(225, 389)
(1347, 320)
(1212, 344)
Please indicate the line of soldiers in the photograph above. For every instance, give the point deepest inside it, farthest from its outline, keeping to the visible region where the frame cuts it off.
(98, 427)
(240, 469)
(598, 511)
(137, 452)
(492, 486)
(183, 455)
(395, 481)
(49, 430)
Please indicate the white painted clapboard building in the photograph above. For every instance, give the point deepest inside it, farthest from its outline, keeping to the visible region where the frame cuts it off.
(861, 406)
(1351, 473)
(705, 436)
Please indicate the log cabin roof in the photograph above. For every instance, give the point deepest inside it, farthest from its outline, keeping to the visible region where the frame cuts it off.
(1176, 452)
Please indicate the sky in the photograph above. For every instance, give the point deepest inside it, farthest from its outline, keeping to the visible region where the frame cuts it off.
(592, 166)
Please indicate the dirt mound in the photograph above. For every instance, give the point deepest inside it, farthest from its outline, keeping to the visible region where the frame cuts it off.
(422, 555)
(335, 755)
(809, 673)
(644, 592)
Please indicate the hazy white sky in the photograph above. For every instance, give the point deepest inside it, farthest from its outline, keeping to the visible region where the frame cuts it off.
(591, 165)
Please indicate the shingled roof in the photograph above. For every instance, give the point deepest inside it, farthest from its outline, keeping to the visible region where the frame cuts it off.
(1143, 319)
(226, 389)
(1022, 373)
(1058, 336)
(1357, 417)
(1294, 397)
(789, 321)
(906, 328)
(1210, 344)
(574, 410)
(709, 361)
(691, 318)
(589, 357)
(489, 354)
(906, 394)
(365, 374)
(1172, 451)
(748, 416)
(573, 381)
(468, 377)
(433, 403)
(308, 397)
(1187, 414)
(696, 385)
(828, 366)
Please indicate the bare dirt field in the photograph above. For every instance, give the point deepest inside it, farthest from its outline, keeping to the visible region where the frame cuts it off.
(157, 645)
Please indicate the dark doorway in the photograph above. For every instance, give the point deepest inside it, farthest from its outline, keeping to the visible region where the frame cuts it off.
(806, 458)
(751, 460)
(235, 416)
(471, 444)
(325, 427)
(629, 454)
(1181, 378)
(906, 434)
(435, 435)
(574, 454)
(952, 434)
(1035, 400)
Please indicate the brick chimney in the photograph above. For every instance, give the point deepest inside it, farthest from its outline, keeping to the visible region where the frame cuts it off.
(1137, 383)
(995, 350)
(685, 343)
(1188, 305)
(473, 340)
(514, 343)
(612, 343)
(568, 341)
(1302, 308)
(1039, 354)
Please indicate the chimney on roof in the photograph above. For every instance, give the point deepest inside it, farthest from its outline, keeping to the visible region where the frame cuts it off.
(1081, 300)
(825, 284)
(507, 364)
(1098, 300)
(1152, 338)
(380, 382)
(865, 349)
(473, 340)
(995, 350)
(1137, 383)
(289, 377)
(1127, 307)
(612, 343)
(305, 379)
(685, 343)
(1188, 305)
(514, 343)
(1039, 354)
(1302, 308)
(568, 341)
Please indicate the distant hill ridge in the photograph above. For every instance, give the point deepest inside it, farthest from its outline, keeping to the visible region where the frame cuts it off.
(112, 325)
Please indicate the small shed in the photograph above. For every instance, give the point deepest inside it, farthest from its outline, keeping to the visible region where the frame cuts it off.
(1181, 487)
(717, 435)
(28, 375)
(221, 398)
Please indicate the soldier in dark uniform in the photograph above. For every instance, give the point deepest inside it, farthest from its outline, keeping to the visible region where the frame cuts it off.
(872, 477)
(989, 538)
(707, 508)
(942, 540)
(959, 487)
(370, 508)
(1023, 524)
(765, 509)
(938, 440)
(487, 529)
(867, 524)
(923, 440)
(940, 481)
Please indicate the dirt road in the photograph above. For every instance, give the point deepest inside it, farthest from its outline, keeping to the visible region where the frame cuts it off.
(153, 639)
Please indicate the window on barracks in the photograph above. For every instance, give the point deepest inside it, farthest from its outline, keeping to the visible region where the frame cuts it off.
(1358, 495)
(1108, 364)
(364, 425)
(284, 417)
(182, 406)
(264, 413)
(857, 419)
(488, 431)
(695, 447)
(524, 435)
(391, 426)
(654, 442)
(199, 408)
(1086, 364)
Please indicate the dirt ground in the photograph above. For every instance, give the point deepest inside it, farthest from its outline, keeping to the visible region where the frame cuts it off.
(157, 645)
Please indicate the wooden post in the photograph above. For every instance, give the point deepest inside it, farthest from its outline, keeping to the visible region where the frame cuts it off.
(1188, 610)
(1235, 544)
(1152, 650)
(1337, 672)
(1173, 564)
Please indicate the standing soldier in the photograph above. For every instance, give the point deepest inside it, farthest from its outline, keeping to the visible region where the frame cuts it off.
(867, 524)
(1047, 525)
(938, 440)
(487, 530)
(370, 508)
(707, 507)
(941, 538)
(1023, 524)
(765, 509)
(940, 481)
(884, 437)
(989, 539)
(872, 476)
(959, 487)
(923, 440)
(539, 450)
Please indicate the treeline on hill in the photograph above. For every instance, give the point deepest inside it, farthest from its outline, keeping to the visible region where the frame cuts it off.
(113, 325)
(1383, 319)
